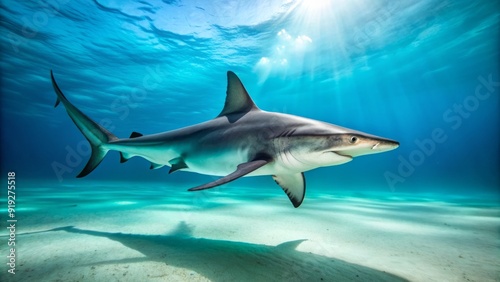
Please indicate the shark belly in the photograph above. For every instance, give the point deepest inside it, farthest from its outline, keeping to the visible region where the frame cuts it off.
(159, 154)
(216, 162)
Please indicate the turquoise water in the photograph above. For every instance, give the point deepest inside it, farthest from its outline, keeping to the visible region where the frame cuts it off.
(424, 73)
(395, 70)
(135, 232)
(400, 71)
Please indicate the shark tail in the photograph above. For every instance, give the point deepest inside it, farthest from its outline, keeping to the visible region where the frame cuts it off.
(97, 135)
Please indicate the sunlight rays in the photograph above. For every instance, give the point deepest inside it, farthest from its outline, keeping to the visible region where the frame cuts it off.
(288, 54)
(318, 36)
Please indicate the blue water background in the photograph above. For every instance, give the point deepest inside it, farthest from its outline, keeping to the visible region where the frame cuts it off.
(397, 69)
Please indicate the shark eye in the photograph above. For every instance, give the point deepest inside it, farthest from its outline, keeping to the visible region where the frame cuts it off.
(354, 139)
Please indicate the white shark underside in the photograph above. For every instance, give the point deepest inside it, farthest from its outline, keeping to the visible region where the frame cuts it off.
(241, 141)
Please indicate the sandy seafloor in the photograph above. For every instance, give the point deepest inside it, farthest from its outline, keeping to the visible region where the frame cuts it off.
(95, 231)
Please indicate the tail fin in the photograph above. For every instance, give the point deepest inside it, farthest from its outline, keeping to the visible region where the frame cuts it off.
(95, 134)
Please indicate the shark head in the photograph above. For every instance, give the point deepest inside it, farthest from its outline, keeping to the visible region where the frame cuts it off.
(322, 144)
(360, 144)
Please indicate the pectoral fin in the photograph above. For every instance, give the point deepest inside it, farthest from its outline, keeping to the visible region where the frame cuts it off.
(242, 169)
(294, 186)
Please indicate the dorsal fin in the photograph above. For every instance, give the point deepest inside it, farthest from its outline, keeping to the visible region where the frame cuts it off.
(237, 98)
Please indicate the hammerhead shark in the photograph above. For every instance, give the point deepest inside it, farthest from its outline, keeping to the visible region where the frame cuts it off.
(242, 140)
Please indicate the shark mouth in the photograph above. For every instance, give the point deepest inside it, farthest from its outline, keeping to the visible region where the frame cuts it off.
(342, 155)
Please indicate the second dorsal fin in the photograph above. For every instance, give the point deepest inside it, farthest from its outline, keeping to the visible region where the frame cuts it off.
(135, 134)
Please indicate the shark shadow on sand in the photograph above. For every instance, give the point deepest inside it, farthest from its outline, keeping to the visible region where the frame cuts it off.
(220, 260)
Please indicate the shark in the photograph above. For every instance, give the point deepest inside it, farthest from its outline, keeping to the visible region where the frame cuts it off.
(241, 141)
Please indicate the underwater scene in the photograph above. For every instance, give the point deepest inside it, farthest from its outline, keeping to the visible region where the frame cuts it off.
(286, 140)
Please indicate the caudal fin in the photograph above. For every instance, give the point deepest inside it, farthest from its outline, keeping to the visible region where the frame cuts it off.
(97, 135)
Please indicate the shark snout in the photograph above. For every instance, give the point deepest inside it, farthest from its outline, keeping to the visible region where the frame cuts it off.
(385, 145)
(365, 145)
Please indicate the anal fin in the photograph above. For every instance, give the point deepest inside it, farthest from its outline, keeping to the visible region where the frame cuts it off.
(294, 186)
(242, 170)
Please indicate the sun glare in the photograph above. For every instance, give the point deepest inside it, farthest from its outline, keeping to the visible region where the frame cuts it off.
(315, 11)
(316, 6)
(317, 28)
